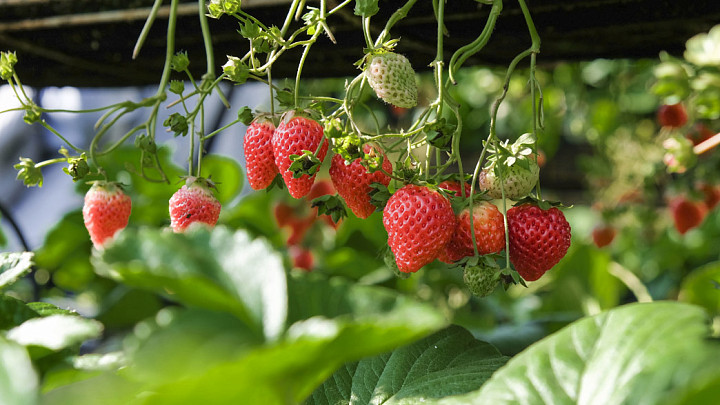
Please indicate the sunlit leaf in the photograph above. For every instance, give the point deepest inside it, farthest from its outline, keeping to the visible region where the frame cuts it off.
(55, 332)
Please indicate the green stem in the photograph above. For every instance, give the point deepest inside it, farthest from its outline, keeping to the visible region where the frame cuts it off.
(50, 162)
(54, 131)
(146, 28)
(121, 140)
(170, 48)
(398, 15)
(462, 54)
(366, 32)
(217, 131)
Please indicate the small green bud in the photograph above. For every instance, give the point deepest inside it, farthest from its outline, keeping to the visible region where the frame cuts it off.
(245, 115)
(179, 62)
(177, 124)
(177, 87)
(7, 65)
(29, 173)
(236, 70)
(32, 115)
(78, 167)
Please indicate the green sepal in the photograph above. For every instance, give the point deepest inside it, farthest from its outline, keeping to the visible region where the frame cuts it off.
(245, 115)
(7, 65)
(177, 87)
(177, 124)
(29, 173)
(236, 70)
(330, 205)
(180, 61)
(77, 167)
(307, 163)
(379, 195)
(250, 29)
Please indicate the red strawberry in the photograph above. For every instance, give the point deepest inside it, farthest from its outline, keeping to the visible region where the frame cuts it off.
(538, 239)
(260, 162)
(106, 211)
(419, 222)
(712, 195)
(489, 233)
(452, 185)
(301, 258)
(353, 181)
(194, 202)
(298, 229)
(284, 214)
(603, 235)
(672, 115)
(686, 214)
(291, 138)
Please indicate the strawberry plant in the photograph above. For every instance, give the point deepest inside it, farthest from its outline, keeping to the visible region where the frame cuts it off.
(321, 285)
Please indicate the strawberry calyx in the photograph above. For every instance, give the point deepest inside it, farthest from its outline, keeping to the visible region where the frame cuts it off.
(543, 204)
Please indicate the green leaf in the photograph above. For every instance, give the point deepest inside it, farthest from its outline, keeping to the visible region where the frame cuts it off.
(55, 332)
(366, 8)
(47, 309)
(226, 173)
(702, 287)
(214, 269)
(13, 312)
(13, 266)
(635, 354)
(367, 321)
(29, 173)
(18, 381)
(449, 362)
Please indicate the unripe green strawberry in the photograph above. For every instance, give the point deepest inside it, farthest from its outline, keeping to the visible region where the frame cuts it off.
(481, 279)
(419, 222)
(194, 202)
(538, 239)
(259, 158)
(291, 138)
(393, 79)
(489, 227)
(518, 181)
(105, 212)
(353, 180)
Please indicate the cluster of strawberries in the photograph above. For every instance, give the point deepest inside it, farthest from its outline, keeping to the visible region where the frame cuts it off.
(421, 223)
(107, 208)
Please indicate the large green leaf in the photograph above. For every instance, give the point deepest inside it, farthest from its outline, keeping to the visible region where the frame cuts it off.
(13, 266)
(215, 269)
(702, 287)
(449, 362)
(226, 173)
(13, 312)
(55, 332)
(200, 356)
(636, 354)
(18, 381)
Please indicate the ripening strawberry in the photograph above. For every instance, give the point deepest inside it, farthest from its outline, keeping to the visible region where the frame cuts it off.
(481, 280)
(489, 227)
(538, 239)
(284, 214)
(419, 222)
(301, 257)
(105, 212)
(393, 79)
(291, 138)
(711, 195)
(353, 180)
(194, 202)
(518, 181)
(603, 235)
(672, 115)
(686, 214)
(259, 158)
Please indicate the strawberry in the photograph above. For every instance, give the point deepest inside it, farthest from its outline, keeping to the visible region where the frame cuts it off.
(686, 214)
(672, 115)
(259, 158)
(516, 164)
(603, 235)
(298, 229)
(353, 180)
(489, 233)
(301, 258)
(194, 202)
(538, 239)
(284, 214)
(419, 222)
(393, 79)
(481, 279)
(291, 138)
(711, 194)
(106, 211)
